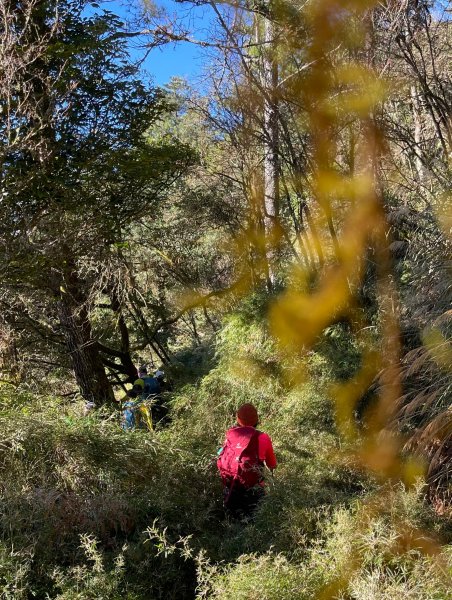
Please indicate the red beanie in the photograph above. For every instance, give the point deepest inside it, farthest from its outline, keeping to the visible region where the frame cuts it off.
(247, 416)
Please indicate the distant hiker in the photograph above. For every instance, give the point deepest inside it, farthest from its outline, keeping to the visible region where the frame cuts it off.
(160, 376)
(150, 388)
(241, 463)
(149, 385)
(128, 413)
(136, 413)
(159, 407)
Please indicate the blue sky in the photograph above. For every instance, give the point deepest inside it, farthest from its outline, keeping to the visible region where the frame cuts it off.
(181, 59)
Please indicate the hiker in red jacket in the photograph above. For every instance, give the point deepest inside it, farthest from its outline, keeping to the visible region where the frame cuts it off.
(241, 463)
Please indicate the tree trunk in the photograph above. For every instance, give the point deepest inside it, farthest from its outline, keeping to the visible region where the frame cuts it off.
(128, 367)
(86, 362)
(417, 119)
(74, 319)
(9, 359)
(271, 147)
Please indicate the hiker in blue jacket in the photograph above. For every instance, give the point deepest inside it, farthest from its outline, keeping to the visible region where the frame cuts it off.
(149, 385)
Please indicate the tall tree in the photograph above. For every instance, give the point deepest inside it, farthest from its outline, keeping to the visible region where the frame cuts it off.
(76, 166)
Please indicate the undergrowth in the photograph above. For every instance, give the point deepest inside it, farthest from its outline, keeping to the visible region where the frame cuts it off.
(89, 511)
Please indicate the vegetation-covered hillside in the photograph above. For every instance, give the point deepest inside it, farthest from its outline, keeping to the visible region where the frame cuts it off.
(278, 235)
(91, 512)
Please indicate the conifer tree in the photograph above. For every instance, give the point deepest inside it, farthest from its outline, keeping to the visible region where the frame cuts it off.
(76, 167)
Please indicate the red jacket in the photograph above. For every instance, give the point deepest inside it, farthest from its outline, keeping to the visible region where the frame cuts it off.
(266, 452)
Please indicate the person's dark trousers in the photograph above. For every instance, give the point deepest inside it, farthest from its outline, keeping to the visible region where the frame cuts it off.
(241, 502)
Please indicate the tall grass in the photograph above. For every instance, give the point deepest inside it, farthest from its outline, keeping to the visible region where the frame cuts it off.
(89, 511)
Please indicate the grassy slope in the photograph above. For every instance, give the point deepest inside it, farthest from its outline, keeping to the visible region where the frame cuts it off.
(91, 512)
